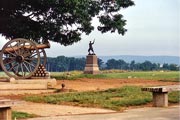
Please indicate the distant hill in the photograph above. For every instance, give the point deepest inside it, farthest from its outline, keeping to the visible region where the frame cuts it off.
(140, 59)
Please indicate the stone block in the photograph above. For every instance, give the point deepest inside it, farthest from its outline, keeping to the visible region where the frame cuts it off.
(28, 84)
(91, 65)
(160, 99)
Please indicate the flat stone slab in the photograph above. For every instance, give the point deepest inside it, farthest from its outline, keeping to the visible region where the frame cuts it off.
(28, 84)
(25, 92)
(162, 88)
(31, 81)
(5, 103)
(22, 86)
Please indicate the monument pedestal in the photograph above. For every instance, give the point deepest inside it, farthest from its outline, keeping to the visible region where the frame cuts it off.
(91, 65)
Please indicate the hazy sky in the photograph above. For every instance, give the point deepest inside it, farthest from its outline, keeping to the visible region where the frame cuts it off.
(153, 29)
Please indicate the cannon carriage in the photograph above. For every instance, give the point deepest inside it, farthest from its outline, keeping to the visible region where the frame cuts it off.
(20, 58)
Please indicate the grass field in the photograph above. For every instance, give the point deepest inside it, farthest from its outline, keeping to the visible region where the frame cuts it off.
(116, 74)
(114, 99)
(150, 75)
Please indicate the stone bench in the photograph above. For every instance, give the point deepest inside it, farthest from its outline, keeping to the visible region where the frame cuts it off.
(160, 94)
(5, 109)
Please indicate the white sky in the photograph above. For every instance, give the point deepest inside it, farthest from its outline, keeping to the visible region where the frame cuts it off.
(153, 29)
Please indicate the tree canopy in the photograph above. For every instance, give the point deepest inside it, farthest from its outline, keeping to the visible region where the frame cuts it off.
(61, 21)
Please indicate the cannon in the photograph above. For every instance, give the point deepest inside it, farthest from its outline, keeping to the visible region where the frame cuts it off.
(20, 58)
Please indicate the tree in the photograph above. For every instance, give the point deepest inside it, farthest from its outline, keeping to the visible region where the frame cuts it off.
(117, 64)
(173, 67)
(147, 65)
(111, 64)
(165, 66)
(62, 63)
(121, 64)
(132, 65)
(61, 21)
(100, 63)
(76, 63)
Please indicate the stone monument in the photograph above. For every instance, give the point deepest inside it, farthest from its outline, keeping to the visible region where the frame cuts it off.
(91, 61)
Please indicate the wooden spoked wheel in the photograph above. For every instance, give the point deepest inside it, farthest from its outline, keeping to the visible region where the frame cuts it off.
(20, 58)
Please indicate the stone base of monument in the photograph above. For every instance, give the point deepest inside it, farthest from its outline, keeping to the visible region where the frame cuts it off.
(91, 65)
(28, 84)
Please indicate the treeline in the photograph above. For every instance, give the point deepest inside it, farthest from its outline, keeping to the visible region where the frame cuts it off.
(145, 66)
(62, 63)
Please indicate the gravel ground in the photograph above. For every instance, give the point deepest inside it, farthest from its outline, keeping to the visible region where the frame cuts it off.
(170, 113)
(41, 109)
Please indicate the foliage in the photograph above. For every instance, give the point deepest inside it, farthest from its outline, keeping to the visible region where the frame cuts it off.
(21, 115)
(62, 21)
(112, 98)
(62, 63)
(145, 66)
(116, 64)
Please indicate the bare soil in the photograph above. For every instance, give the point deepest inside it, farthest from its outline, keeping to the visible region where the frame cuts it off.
(102, 84)
(99, 84)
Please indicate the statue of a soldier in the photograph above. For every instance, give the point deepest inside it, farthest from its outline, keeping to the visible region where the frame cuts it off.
(91, 48)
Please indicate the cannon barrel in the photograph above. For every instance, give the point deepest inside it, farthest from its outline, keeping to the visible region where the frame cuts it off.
(15, 48)
(20, 58)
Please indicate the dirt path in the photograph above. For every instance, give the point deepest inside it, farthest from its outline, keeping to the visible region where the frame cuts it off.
(41, 109)
(147, 113)
(101, 84)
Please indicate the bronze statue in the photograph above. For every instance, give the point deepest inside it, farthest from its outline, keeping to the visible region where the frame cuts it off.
(91, 48)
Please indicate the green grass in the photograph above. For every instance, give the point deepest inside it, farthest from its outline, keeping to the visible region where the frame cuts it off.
(21, 115)
(166, 76)
(3, 75)
(174, 97)
(66, 75)
(172, 76)
(112, 98)
(152, 75)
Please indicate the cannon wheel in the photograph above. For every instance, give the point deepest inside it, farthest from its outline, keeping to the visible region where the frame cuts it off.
(20, 58)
